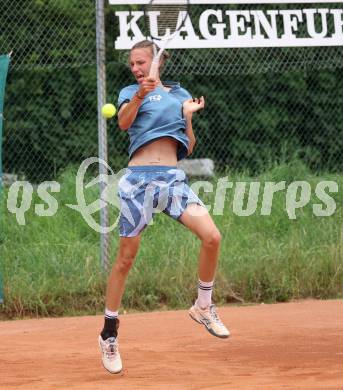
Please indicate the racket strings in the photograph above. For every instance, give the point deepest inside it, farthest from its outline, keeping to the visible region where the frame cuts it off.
(170, 18)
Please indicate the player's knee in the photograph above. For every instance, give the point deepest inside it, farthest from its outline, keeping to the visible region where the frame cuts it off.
(212, 239)
(125, 262)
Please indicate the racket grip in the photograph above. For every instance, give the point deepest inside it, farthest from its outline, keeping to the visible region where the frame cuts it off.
(154, 68)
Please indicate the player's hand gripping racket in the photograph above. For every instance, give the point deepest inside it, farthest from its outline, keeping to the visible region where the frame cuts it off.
(163, 21)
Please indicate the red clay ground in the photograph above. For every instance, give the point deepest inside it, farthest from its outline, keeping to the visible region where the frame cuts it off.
(284, 346)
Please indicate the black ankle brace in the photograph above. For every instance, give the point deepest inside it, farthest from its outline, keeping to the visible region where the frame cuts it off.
(110, 329)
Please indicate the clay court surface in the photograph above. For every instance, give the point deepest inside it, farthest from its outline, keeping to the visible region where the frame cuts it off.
(284, 346)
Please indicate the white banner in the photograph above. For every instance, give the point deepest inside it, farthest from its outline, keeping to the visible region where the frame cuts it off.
(245, 28)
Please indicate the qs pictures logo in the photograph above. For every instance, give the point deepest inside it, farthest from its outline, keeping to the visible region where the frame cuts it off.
(20, 195)
(244, 198)
(108, 184)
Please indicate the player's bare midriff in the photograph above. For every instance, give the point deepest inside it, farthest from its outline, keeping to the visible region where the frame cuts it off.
(163, 151)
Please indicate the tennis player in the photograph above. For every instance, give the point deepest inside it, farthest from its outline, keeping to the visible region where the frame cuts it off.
(158, 117)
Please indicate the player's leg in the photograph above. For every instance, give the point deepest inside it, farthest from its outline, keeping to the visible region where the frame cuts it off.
(198, 220)
(185, 206)
(133, 220)
(128, 248)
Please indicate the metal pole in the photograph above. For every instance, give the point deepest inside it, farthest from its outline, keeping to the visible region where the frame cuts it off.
(102, 129)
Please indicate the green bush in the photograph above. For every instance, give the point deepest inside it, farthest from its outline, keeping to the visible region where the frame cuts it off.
(250, 120)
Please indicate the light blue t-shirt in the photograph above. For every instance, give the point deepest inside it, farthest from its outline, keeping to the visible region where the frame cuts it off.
(160, 115)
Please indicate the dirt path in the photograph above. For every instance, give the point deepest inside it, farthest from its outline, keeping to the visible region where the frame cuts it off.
(285, 346)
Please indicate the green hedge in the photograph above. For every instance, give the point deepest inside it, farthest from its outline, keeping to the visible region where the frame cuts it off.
(250, 119)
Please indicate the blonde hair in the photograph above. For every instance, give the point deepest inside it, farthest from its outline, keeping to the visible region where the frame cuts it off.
(150, 45)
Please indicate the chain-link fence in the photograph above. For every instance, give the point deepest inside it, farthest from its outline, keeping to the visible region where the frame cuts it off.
(51, 97)
(262, 104)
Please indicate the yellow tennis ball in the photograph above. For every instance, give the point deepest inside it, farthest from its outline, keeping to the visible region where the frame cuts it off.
(108, 110)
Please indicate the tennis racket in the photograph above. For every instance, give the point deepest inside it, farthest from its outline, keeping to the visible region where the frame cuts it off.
(163, 20)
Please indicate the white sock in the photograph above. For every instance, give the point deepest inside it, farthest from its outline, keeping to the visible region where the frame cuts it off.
(204, 294)
(110, 314)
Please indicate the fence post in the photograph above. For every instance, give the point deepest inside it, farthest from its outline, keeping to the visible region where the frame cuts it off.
(102, 129)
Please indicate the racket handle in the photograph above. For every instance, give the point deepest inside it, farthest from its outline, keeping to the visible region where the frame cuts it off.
(154, 68)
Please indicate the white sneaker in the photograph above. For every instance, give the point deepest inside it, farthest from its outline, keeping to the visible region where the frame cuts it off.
(110, 354)
(210, 319)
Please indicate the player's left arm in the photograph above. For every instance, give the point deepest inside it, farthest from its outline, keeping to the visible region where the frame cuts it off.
(189, 107)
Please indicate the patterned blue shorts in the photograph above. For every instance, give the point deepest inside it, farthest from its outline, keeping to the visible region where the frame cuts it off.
(147, 190)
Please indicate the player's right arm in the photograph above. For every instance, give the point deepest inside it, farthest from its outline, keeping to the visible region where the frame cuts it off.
(128, 111)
